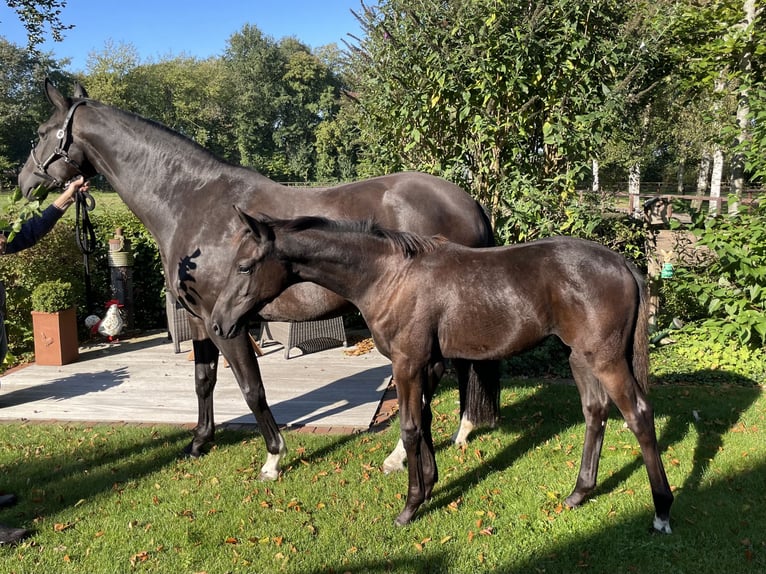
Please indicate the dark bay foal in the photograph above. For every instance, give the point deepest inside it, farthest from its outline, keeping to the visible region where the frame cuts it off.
(422, 302)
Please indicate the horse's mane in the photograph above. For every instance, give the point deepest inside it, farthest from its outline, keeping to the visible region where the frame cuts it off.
(169, 132)
(409, 244)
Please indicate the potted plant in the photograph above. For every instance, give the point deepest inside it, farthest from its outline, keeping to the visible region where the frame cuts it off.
(54, 323)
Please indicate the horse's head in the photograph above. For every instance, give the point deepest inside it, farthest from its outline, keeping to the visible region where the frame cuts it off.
(56, 157)
(257, 276)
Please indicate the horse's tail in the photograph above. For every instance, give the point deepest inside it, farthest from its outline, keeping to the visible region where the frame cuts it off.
(641, 332)
(489, 238)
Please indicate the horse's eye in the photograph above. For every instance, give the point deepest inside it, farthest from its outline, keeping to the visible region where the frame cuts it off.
(245, 270)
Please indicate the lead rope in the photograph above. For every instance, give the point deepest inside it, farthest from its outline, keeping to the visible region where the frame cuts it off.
(85, 236)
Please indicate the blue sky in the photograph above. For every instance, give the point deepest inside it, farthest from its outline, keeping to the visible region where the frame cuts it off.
(201, 28)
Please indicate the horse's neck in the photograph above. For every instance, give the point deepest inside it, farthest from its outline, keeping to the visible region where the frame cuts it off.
(330, 263)
(146, 165)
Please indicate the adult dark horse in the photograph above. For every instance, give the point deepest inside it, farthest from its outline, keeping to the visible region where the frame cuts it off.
(183, 194)
(422, 304)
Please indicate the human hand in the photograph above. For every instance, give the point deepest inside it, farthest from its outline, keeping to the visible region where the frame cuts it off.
(66, 198)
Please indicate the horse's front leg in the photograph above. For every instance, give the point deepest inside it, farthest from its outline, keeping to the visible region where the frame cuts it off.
(394, 462)
(205, 378)
(244, 365)
(414, 414)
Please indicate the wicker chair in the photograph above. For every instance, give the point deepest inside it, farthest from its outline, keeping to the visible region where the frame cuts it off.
(308, 336)
(178, 321)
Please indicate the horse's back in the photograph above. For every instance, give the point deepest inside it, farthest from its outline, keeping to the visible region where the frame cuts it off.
(575, 289)
(416, 202)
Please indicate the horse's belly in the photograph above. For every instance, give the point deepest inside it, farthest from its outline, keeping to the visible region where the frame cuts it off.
(489, 340)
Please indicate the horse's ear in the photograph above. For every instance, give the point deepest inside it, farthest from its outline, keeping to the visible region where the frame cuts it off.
(54, 96)
(260, 230)
(79, 91)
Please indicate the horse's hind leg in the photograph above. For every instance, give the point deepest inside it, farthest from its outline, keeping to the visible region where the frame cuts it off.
(595, 408)
(205, 377)
(479, 386)
(639, 416)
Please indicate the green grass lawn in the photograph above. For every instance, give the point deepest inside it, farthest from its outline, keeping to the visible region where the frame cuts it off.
(118, 498)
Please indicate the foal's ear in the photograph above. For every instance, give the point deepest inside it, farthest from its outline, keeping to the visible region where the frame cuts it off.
(79, 91)
(260, 230)
(54, 96)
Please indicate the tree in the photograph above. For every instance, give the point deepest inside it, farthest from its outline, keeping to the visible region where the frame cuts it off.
(254, 67)
(509, 99)
(35, 16)
(22, 102)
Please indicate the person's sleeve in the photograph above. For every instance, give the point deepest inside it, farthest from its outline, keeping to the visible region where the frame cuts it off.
(33, 229)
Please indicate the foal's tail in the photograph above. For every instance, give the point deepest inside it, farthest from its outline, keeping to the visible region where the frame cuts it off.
(641, 332)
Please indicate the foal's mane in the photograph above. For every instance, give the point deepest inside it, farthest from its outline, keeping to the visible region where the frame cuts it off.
(409, 244)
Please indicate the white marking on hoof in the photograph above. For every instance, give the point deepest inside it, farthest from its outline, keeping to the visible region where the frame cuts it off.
(395, 461)
(270, 470)
(461, 436)
(661, 525)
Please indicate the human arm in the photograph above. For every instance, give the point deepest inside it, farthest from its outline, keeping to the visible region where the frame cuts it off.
(35, 228)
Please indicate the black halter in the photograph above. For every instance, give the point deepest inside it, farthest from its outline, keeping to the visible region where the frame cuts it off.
(61, 151)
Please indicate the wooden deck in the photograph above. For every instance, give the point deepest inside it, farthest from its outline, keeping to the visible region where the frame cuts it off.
(142, 380)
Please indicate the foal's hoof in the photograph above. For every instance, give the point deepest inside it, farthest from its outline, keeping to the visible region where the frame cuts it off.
(661, 525)
(574, 500)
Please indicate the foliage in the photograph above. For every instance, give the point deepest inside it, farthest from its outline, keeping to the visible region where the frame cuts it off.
(53, 296)
(122, 500)
(731, 284)
(36, 15)
(22, 103)
(57, 257)
(509, 99)
(699, 356)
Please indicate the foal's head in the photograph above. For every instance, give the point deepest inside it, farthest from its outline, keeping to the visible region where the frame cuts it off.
(257, 276)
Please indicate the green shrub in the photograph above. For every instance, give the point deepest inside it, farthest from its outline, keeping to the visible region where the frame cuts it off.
(53, 296)
(729, 289)
(57, 257)
(697, 357)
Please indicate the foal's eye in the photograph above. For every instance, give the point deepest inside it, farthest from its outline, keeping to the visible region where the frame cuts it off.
(245, 270)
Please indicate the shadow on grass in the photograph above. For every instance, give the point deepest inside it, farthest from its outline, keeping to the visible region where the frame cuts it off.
(49, 484)
(630, 545)
(556, 407)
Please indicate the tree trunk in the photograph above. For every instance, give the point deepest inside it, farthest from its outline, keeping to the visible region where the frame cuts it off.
(596, 184)
(703, 179)
(743, 110)
(634, 189)
(715, 182)
(680, 176)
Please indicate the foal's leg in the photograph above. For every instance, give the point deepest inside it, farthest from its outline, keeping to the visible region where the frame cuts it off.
(244, 365)
(595, 408)
(394, 462)
(205, 377)
(639, 416)
(421, 462)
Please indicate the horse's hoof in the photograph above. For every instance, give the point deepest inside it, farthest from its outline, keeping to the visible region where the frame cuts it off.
(390, 466)
(265, 476)
(574, 500)
(191, 452)
(662, 525)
